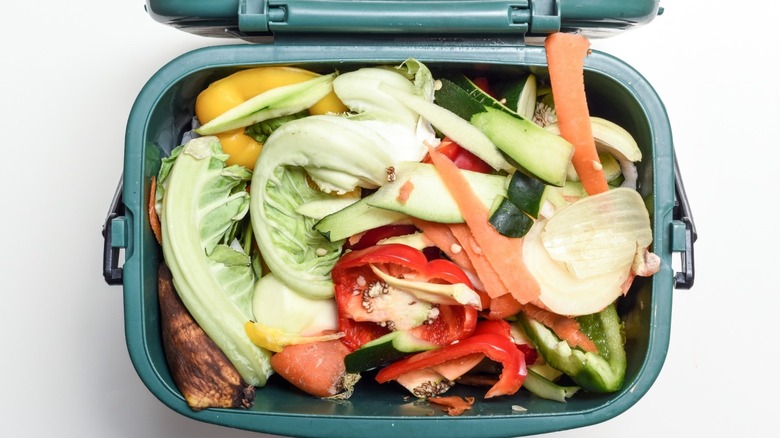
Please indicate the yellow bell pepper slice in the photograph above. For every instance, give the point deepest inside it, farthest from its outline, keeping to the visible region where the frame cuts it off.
(232, 90)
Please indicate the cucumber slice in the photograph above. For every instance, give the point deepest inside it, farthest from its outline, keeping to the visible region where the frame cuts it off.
(546, 158)
(519, 95)
(354, 219)
(509, 220)
(541, 153)
(385, 349)
(527, 193)
(319, 208)
(547, 389)
(418, 191)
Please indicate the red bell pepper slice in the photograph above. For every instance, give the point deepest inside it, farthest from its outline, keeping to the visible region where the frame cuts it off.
(490, 338)
(374, 235)
(353, 271)
(462, 158)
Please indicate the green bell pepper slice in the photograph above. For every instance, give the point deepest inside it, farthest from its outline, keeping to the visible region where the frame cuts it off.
(601, 372)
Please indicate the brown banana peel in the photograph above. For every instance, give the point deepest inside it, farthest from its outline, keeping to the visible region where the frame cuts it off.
(201, 371)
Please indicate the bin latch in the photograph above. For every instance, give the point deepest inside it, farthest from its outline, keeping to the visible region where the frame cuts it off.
(114, 238)
(683, 232)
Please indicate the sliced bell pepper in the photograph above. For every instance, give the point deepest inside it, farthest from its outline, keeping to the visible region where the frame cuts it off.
(232, 90)
(354, 274)
(601, 372)
(490, 338)
(462, 158)
(374, 235)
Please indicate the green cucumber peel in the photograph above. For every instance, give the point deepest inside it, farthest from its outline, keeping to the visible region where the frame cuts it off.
(356, 218)
(509, 220)
(527, 193)
(547, 389)
(523, 143)
(384, 350)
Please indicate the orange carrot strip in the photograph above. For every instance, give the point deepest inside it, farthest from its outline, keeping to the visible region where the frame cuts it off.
(566, 59)
(565, 327)
(505, 254)
(441, 236)
(503, 307)
(405, 192)
(453, 404)
(154, 220)
(490, 279)
(324, 377)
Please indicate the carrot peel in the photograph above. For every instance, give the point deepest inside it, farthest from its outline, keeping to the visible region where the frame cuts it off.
(566, 55)
(504, 254)
(453, 404)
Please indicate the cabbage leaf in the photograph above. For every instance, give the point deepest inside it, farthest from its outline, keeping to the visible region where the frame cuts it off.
(203, 203)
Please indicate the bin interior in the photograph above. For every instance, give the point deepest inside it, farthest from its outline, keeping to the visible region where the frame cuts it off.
(163, 113)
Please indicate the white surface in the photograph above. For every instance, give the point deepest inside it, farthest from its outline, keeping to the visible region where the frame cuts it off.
(71, 70)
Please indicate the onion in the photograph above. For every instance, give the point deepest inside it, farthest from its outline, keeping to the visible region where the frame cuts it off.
(600, 233)
(611, 137)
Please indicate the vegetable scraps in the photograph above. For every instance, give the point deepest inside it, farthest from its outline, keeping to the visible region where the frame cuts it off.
(202, 204)
(422, 298)
(251, 88)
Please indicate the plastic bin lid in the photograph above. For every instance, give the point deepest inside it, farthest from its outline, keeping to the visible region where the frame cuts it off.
(257, 18)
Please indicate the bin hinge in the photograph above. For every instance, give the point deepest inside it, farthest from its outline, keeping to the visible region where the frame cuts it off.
(254, 15)
(397, 16)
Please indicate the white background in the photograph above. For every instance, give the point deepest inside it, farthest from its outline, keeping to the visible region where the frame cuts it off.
(70, 71)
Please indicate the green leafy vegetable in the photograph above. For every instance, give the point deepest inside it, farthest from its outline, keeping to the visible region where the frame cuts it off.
(362, 91)
(339, 156)
(338, 153)
(261, 130)
(202, 205)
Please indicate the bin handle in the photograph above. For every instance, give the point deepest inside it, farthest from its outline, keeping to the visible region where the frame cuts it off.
(112, 272)
(682, 212)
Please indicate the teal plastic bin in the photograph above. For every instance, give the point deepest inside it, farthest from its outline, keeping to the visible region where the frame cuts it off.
(485, 37)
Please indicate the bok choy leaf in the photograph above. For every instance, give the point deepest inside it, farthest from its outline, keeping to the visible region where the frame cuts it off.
(338, 153)
(339, 156)
(202, 204)
(406, 131)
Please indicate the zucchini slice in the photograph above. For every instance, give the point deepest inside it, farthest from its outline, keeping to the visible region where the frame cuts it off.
(541, 153)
